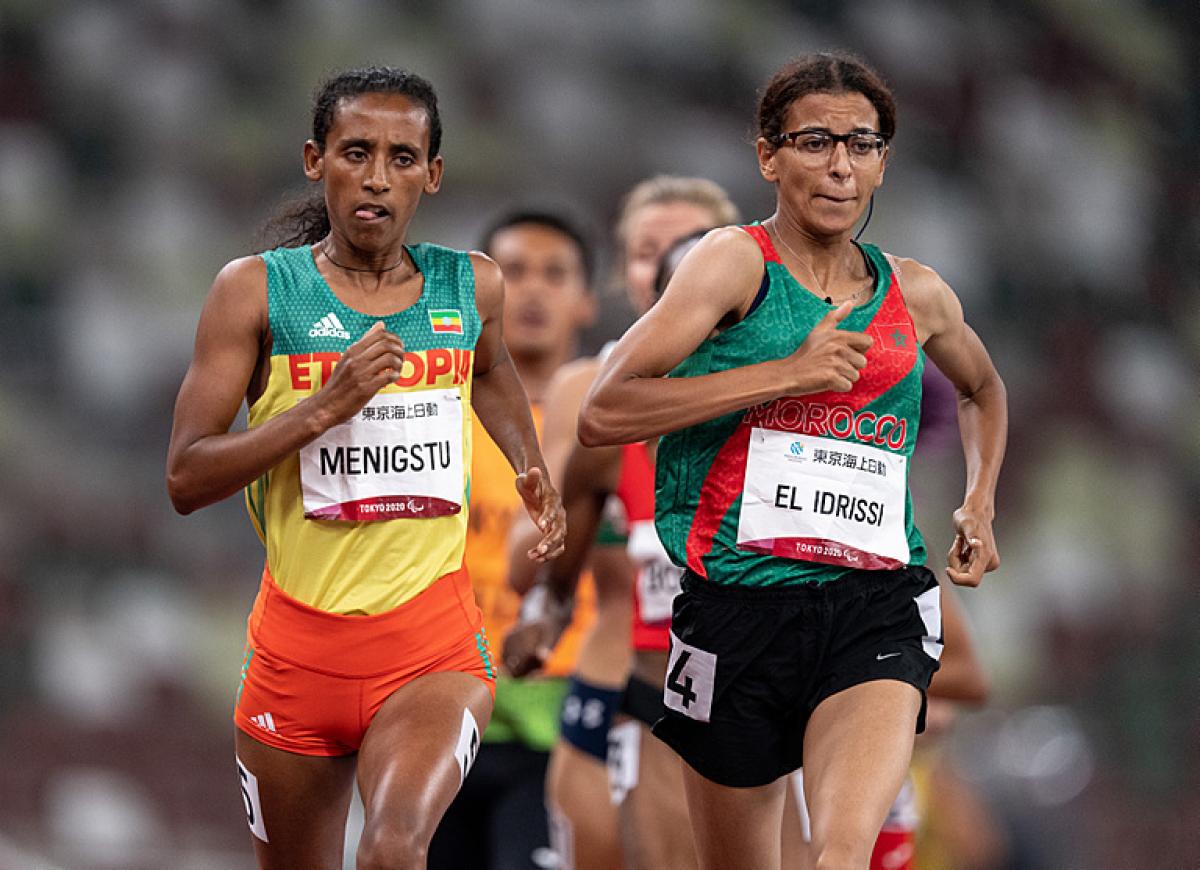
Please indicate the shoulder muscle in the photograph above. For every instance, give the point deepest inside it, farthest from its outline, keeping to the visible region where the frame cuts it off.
(933, 305)
(489, 285)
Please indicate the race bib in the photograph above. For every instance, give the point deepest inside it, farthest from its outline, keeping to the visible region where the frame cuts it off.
(623, 760)
(400, 456)
(824, 500)
(658, 578)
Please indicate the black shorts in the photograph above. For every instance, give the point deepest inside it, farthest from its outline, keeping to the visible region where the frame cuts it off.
(749, 665)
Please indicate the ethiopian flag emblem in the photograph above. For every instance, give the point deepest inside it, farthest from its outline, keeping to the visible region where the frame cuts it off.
(446, 320)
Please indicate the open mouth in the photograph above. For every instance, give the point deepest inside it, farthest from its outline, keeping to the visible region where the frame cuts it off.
(370, 212)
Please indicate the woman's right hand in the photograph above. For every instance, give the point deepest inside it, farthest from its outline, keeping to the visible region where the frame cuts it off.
(367, 366)
(830, 358)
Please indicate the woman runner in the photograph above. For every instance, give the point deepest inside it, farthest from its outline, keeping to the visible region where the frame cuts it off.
(808, 627)
(362, 359)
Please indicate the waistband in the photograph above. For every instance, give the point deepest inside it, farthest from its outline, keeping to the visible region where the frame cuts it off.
(421, 629)
(842, 589)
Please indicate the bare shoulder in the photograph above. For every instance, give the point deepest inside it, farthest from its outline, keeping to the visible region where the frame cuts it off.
(564, 396)
(732, 246)
(485, 267)
(716, 277)
(243, 273)
(572, 381)
(240, 290)
(930, 300)
(489, 281)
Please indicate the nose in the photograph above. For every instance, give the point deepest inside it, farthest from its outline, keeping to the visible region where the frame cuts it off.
(377, 179)
(839, 160)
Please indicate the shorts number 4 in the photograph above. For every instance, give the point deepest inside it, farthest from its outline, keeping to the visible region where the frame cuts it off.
(690, 676)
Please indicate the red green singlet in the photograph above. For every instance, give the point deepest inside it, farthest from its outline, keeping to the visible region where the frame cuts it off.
(802, 488)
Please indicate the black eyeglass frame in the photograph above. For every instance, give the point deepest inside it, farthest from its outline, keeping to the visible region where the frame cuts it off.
(881, 140)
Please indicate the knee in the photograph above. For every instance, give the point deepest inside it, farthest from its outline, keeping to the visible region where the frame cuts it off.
(843, 855)
(391, 846)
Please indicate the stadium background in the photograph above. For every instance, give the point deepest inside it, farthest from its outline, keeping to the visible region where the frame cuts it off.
(1046, 164)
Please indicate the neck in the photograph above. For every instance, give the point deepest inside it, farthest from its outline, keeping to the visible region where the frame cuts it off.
(817, 249)
(348, 258)
(833, 262)
(536, 370)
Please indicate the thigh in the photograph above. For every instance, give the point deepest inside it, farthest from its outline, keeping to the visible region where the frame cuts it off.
(795, 840)
(415, 755)
(295, 804)
(734, 827)
(857, 750)
(655, 813)
(583, 818)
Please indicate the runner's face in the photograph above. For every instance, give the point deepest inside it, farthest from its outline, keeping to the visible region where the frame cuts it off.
(652, 230)
(824, 198)
(546, 298)
(375, 167)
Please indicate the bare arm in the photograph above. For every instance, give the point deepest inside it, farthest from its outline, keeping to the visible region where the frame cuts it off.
(564, 395)
(633, 401)
(982, 415)
(590, 475)
(500, 401)
(205, 461)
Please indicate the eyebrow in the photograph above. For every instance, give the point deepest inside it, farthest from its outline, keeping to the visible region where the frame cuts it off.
(827, 130)
(368, 144)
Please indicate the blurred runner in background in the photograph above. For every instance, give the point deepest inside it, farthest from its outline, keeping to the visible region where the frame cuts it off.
(643, 776)
(498, 819)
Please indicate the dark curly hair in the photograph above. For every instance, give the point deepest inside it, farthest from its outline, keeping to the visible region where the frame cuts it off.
(823, 73)
(306, 221)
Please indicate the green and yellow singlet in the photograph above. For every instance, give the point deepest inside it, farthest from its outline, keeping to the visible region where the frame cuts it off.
(374, 510)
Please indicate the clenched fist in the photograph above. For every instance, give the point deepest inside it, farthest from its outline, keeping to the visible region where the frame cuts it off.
(367, 366)
(830, 358)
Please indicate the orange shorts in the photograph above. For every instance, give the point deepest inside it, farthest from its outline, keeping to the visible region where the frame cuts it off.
(312, 681)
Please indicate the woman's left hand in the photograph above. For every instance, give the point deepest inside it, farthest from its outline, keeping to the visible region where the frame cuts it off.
(974, 549)
(545, 509)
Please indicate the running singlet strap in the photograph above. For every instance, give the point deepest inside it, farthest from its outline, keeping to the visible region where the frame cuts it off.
(375, 510)
(801, 488)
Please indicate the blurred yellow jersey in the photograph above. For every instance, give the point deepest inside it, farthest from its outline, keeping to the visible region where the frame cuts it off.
(494, 505)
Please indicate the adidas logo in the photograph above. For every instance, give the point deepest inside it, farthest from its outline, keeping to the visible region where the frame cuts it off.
(329, 326)
(264, 721)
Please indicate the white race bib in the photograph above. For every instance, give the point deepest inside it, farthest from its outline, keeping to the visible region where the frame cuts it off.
(824, 500)
(658, 578)
(623, 760)
(400, 456)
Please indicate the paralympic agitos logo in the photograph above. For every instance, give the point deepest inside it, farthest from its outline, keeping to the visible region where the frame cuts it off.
(830, 421)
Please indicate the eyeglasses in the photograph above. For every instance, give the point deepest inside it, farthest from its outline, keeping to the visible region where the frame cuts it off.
(864, 147)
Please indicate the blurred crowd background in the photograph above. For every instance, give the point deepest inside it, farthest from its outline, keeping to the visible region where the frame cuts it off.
(1047, 164)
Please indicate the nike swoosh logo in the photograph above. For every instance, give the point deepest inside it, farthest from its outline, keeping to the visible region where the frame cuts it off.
(883, 656)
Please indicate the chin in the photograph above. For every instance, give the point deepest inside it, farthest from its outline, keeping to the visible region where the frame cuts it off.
(526, 347)
(834, 228)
